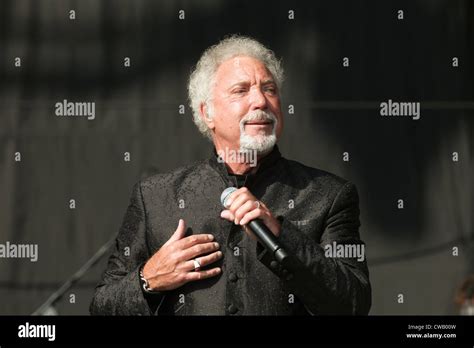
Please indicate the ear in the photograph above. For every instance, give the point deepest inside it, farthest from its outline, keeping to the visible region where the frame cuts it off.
(203, 112)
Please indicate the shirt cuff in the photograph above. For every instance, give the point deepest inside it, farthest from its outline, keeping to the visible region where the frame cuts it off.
(153, 298)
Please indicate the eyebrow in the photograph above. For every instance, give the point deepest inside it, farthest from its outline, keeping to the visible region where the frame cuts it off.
(241, 83)
(246, 83)
(269, 82)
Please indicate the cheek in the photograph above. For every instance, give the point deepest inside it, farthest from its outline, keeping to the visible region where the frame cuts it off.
(231, 108)
(239, 108)
(228, 121)
(276, 109)
(279, 129)
(235, 112)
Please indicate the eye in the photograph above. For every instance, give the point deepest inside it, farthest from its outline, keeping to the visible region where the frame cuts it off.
(271, 90)
(239, 91)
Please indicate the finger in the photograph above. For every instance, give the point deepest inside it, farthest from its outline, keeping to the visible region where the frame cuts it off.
(226, 214)
(240, 200)
(198, 250)
(192, 276)
(195, 239)
(203, 261)
(252, 215)
(244, 209)
(235, 194)
(179, 233)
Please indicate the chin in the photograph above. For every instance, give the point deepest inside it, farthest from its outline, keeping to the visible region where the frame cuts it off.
(262, 144)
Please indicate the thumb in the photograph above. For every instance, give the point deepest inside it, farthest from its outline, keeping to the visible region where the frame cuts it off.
(179, 233)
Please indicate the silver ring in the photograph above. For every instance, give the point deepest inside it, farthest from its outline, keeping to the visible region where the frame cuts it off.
(258, 204)
(197, 265)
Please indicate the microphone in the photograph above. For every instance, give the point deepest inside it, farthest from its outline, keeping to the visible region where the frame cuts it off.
(263, 234)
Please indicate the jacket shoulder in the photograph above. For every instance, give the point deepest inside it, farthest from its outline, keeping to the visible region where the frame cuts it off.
(311, 177)
(332, 191)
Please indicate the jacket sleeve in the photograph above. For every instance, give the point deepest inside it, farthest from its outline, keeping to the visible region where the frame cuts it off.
(120, 291)
(326, 285)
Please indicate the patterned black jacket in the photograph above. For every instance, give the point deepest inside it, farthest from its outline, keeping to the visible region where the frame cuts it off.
(315, 208)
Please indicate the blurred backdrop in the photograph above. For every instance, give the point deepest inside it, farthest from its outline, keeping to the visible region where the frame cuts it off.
(336, 110)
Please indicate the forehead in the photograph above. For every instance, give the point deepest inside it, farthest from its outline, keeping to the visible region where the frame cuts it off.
(242, 68)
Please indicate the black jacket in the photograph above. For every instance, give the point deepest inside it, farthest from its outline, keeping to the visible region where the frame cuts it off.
(315, 208)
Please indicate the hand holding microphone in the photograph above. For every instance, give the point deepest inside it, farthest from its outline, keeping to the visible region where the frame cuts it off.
(244, 209)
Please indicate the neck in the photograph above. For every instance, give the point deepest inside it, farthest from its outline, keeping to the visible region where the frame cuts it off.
(240, 168)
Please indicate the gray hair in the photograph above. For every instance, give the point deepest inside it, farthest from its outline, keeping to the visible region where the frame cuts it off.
(202, 78)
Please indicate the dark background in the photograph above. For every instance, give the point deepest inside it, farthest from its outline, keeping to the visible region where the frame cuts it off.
(336, 110)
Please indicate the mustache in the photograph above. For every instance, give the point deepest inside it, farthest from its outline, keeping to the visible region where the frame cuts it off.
(260, 116)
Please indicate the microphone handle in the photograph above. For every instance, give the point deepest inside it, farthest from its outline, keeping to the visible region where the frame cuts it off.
(268, 239)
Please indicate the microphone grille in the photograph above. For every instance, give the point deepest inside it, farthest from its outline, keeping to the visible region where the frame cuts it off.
(225, 194)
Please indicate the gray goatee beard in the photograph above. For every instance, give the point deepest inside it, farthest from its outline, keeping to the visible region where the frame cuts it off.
(260, 143)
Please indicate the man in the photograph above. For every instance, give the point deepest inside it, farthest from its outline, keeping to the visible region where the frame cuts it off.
(211, 263)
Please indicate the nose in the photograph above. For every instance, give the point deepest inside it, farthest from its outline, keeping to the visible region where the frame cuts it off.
(257, 99)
